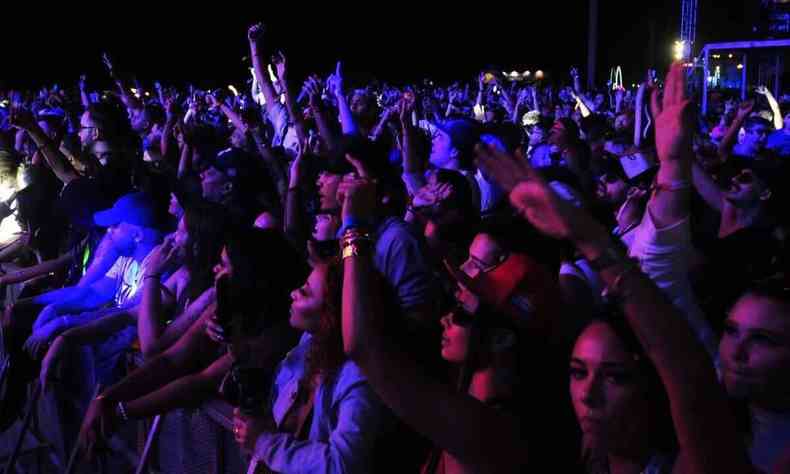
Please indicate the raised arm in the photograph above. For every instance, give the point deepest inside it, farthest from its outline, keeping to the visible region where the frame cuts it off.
(84, 96)
(706, 187)
(56, 160)
(255, 36)
(674, 118)
(297, 118)
(486, 439)
(336, 85)
(318, 109)
(705, 427)
(731, 137)
(775, 111)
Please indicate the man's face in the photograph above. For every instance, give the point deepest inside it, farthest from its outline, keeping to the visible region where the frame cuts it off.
(238, 139)
(214, 183)
(359, 104)
(537, 136)
(599, 100)
(327, 190)
(88, 131)
(745, 190)
(756, 137)
(442, 150)
(622, 122)
(123, 237)
(612, 190)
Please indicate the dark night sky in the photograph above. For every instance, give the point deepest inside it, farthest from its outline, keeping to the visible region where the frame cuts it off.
(401, 42)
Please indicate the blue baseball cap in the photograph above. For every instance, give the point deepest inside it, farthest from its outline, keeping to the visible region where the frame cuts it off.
(135, 208)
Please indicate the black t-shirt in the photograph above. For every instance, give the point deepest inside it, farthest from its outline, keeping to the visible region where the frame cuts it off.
(733, 264)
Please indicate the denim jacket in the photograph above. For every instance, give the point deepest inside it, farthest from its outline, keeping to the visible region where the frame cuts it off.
(346, 419)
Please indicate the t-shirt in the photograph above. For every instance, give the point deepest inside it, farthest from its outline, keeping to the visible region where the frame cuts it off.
(128, 275)
(663, 256)
(779, 141)
(400, 259)
(770, 438)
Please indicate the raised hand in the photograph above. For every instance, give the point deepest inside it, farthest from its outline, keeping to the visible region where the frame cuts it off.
(506, 172)
(674, 117)
(762, 90)
(358, 197)
(108, 64)
(406, 107)
(281, 66)
(335, 81)
(83, 82)
(255, 32)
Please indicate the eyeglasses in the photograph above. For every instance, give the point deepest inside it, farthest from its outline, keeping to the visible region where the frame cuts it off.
(481, 266)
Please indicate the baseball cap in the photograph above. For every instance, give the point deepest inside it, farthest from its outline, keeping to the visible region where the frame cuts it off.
(519, 288)
(135, 208)
(464, 133)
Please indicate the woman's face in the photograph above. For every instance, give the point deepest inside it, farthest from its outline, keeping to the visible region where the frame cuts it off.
(608, 398)
(755, 351)
(455, 338)
(308, 302)
(326, 227)
(224, 266)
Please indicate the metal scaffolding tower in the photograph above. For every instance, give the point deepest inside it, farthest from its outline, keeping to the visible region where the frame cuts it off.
(688, 26)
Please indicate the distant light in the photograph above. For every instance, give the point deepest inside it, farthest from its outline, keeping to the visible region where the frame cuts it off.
(730, 56)
(739, 66)
(633, 85)
(679, 50)
(148, 94)
(514, 74)
(527, 73)
(538, 74)
(233, 89)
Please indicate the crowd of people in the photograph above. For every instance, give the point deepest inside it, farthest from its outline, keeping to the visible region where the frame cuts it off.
(484, 276)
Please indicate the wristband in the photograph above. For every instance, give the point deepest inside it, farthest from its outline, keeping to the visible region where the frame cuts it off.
(120, 410)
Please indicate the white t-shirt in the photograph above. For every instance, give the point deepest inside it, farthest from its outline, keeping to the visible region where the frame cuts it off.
(128, 275)
(663, 255)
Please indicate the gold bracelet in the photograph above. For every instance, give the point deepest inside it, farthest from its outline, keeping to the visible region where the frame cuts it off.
(352, 250)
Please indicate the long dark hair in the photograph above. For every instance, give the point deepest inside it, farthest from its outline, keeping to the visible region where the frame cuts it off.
(266, 268)
(662, 430)
(207, 226)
